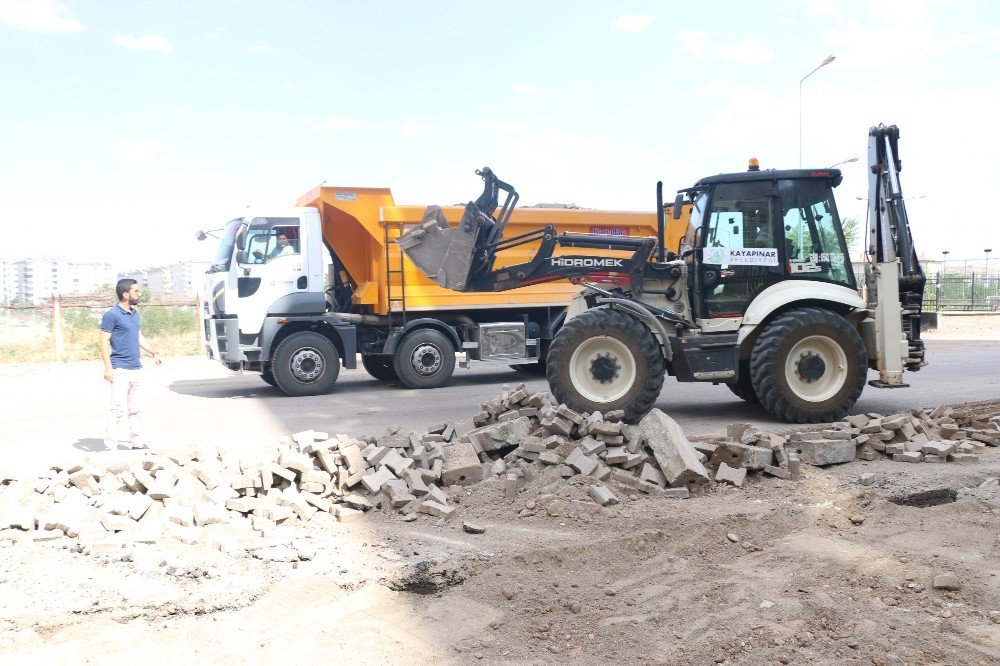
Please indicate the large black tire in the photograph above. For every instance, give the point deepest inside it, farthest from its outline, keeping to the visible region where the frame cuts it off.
(268, 376)
(603, 360)
(305, 363)
(809, 366)
(743, 386)
(380, 366)
(425, 358)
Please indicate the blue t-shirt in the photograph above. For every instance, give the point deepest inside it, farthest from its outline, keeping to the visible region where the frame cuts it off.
(124, 329)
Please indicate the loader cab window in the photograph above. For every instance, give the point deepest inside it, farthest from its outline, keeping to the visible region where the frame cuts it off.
(815, 247)
(271, 238)
(739, 256)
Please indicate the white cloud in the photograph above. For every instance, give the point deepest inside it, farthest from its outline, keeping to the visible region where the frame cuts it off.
(215, 34)
(500, 126)
(152, 43)
(692, 42)
(411, 128)
(260, 48)
(525, 90)
(286, 86)
(698, 45)
(333, 124)
(38, 16)
(632, 22)
(133, 153)
(751, 52)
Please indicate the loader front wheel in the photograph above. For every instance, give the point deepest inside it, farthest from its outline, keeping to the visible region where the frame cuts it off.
(604, 360)
(743, 387)
(809, 366)
(380, 366)
(305, 363)
(424, 359)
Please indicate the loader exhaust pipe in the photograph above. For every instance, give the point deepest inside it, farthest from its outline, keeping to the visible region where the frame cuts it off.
(660, 224)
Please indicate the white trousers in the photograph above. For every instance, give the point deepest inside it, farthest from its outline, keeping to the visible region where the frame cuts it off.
(125, 394)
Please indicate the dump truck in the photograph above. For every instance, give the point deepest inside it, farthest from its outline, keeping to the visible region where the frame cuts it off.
(760, 295)
(295, 294)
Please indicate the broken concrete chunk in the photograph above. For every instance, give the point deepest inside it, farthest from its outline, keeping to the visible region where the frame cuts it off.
(602, 495)
(677, 459)
(460, 465)
(732, 475)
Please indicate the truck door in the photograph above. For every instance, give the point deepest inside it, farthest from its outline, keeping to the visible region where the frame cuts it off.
(739, 255)
(271, 270)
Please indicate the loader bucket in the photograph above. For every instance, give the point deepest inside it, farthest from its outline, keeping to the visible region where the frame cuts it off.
(443, 253)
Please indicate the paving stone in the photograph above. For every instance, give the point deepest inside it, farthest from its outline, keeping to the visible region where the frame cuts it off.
(602, 495)
(908, 457)
(733, 475)
(580, 462)
(866, 479)
(821, 452)
(677, 459)
(947, 581)
(433, 508)
(964, 458)
(460, 465)
(373, 482)
(780, 472)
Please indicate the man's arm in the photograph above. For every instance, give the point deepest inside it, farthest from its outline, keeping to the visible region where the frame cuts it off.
(148, 348)
(109, 372)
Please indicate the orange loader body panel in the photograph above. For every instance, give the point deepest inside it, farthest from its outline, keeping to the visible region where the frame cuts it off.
(355, 221)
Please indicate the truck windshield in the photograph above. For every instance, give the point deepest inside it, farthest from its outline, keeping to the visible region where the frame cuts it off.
(226, 243)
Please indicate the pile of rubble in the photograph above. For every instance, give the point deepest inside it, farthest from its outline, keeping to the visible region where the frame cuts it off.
(516, 438)
(942, 435)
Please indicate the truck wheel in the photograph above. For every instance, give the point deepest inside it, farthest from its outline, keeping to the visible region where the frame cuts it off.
(604, 360)
(268, 376)
(305, 363)
(379, 366)
(424, 359)
(743, 388)
(809, 366)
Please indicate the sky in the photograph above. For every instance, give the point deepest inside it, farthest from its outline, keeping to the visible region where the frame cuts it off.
(128, 125)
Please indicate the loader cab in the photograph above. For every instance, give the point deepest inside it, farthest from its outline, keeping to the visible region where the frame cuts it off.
(755, 229)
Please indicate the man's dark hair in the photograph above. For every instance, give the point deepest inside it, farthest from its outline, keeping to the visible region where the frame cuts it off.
(123, 286)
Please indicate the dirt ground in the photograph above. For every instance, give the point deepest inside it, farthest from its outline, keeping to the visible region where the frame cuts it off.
(815, 570)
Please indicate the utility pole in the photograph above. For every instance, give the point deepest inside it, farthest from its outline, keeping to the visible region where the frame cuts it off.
(826, 62)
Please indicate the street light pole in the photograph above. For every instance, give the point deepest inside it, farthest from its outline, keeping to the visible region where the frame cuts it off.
(944, 262)
(826, 62)
(987, 251)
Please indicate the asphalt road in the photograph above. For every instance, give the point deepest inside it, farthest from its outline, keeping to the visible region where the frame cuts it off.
(51, 410)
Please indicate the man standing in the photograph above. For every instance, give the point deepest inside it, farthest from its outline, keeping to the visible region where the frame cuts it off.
(121, 341)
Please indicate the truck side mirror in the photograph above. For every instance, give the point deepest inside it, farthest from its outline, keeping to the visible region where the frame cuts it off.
(241, 257)
(678, 206)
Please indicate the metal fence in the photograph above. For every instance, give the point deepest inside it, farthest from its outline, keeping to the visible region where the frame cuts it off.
(959, 292)
(67, 330)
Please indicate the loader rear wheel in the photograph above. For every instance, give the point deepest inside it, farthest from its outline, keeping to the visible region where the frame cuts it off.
(424, 359)
(809, 366)
(305, 363)
(380, 366)
(605, 360)
(743, 388)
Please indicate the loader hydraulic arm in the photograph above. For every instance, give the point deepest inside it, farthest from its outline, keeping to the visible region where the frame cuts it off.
(893, 274)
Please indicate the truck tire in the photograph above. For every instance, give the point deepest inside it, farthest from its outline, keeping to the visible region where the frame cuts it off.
(605, 360)
(425, 358)
(809, 366)
(305, 363)
(268, 376)
(743, 387)
(380, 366)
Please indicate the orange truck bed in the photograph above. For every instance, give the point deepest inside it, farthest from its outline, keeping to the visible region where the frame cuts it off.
(357, 221)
